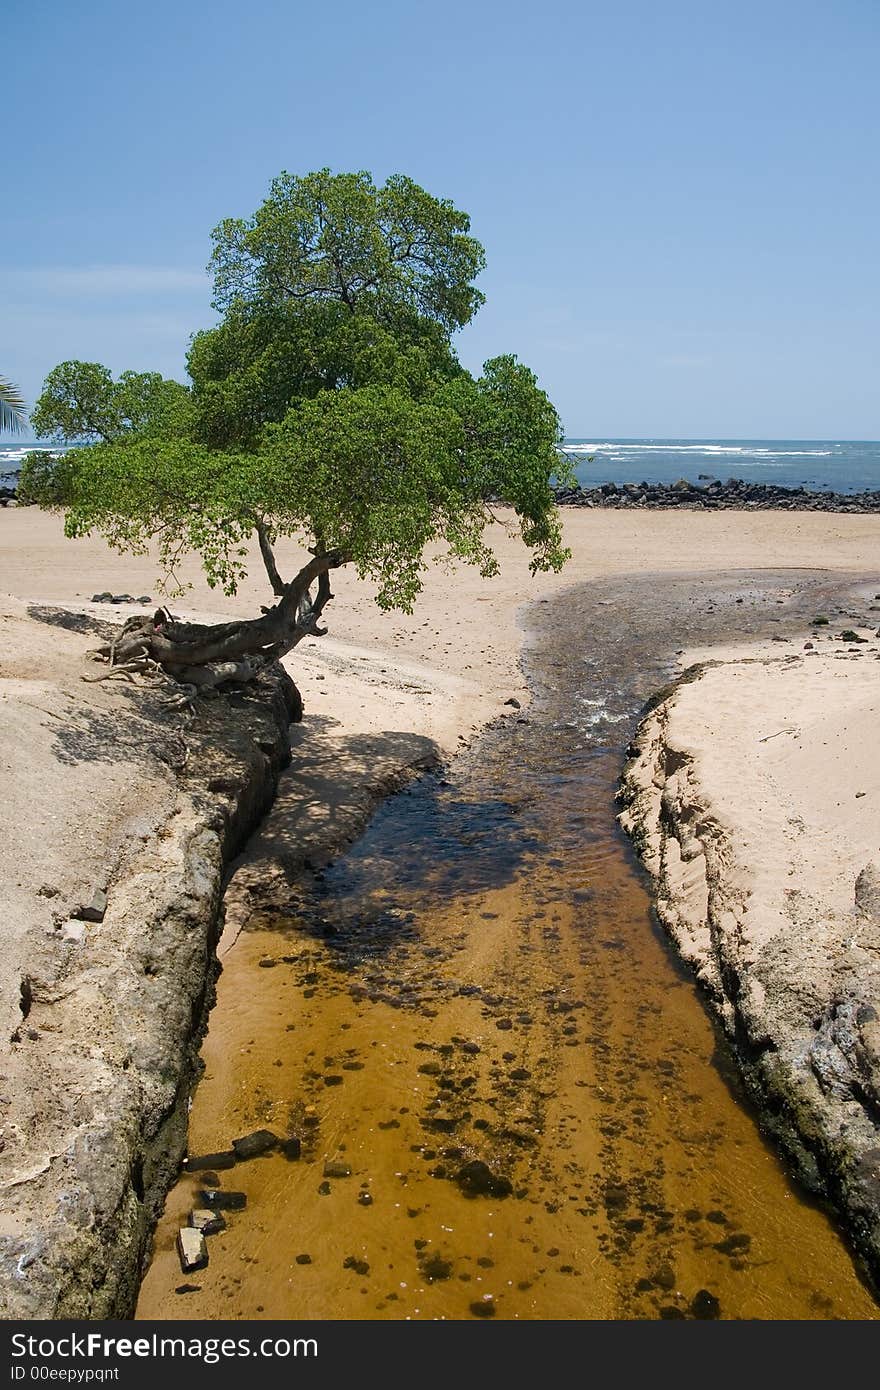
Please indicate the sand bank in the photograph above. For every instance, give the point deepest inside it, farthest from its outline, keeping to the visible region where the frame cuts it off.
(96, 798)
(753, 798)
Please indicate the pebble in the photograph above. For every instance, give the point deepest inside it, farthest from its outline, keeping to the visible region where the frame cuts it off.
(483, 1307)
(196, 1163)
(261, 1141)
(208, 1222)
(191, 1249)
(705, 1305)
(219, 1200)
(477, 1179)
(337, 1168)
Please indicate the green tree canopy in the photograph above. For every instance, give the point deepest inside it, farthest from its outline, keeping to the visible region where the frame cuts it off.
(328, 404)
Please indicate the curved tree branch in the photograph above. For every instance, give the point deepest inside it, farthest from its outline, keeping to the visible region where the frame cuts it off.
(278, 585)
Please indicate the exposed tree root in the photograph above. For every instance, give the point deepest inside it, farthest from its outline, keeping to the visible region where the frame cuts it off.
(195, 659)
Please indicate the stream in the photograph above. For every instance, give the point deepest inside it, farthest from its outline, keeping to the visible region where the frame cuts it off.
(510, 1097)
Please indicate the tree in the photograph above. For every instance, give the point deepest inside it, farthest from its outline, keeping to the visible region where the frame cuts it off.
(13, 414)
(328, 404)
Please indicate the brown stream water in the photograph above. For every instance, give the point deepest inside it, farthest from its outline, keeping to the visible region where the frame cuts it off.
(480, 979)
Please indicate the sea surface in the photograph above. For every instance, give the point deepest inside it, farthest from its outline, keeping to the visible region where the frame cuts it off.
(832, 465)
(837, 466)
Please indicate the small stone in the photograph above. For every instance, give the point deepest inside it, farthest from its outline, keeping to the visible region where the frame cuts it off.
(261, 1141)
(441, 1121)
(353, 1262)
(670, 1313)
(331, 1079)
(337, 1168)
(94, 911)
(188, 1288)
(267, 962)
(705, 1305)
(664, 1277)
(736, 1244)
(291, 1148)
(196, 1163)
(365, 1199)
(476, 1179)
(483, 1307)
(304, 1259)
(208, 1222)
(504, 1024)
(145, 598)
(514, 703)
(191, 1249)
(219, 1200)
(435, 1267)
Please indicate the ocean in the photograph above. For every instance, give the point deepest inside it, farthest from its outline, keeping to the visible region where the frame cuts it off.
(822, 465)
(831, 465)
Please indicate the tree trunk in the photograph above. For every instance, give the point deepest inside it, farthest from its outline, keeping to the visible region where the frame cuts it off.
(206, 656)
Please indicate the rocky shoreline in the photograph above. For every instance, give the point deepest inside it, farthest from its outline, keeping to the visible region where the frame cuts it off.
(113, 1012)
(732, 495)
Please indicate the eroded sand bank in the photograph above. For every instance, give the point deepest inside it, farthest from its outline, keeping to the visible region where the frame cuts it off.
(753, 799)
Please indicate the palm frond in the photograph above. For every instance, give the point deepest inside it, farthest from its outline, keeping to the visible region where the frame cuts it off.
(13, 412)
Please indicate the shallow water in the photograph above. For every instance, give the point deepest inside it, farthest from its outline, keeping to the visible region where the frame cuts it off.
(480, 979)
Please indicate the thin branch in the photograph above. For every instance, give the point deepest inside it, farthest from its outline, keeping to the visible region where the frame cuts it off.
(278, 585)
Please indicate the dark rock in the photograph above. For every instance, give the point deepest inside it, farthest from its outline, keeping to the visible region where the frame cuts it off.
(435, 1267)
(616, 1198)
(262, 1141)
(304, 1259)
(483, 1307)
(669, 1313)
(291, 1148)
(198, 1163)
(353, 1262)
(705, 1305)
(664, 1277)
(219, 1200)
(514, 703)
(735, 1244)
(365, 1199)
(476, 1179)
(188, 1288)
(337, 1168)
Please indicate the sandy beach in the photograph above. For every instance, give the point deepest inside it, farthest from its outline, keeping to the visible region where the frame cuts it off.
(791, 826)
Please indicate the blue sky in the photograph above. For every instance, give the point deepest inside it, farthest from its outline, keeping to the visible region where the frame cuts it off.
(679, 201)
